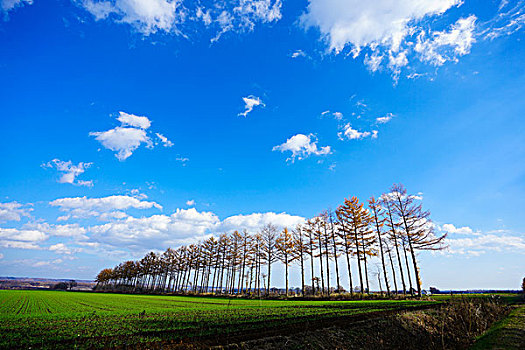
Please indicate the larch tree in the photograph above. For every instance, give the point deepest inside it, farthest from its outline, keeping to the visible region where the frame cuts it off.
(343, 232)
(379, 221)
(417, 225)
(335, 245)
(269, 236)
(300, 250)
(358, 221)
(394, 235)
(285, 249)
(311, 244)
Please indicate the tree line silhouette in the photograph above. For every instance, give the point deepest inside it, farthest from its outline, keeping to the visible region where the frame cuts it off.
(393, 228)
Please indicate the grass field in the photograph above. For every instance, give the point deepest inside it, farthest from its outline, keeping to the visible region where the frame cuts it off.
(53, 319)
(508, 333)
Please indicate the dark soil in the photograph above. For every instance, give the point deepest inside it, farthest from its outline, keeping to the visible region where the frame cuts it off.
(453, 326)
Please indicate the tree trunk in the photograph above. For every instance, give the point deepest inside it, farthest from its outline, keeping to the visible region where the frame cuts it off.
(408, 267)
(359, 261)
(321, 263)
(382, 253)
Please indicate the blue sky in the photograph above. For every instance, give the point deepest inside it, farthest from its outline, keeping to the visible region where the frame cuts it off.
(268, 111)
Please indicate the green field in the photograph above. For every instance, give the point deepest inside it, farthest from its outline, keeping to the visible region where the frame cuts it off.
(508, 333)
(53, 319)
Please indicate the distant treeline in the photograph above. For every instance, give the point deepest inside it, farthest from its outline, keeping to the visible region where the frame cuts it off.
(393, 228)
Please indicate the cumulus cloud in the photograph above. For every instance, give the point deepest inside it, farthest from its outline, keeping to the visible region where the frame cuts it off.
(157, 231)
(254, 222)
(465, 230)
(145, 16)
(249, 103)
(364, 23)
(134, 120)
(70, 171)
(469, 242)
(21, 238)
(302, 146)
(190, 202)
(61, 248)
(484, 243)
(13, 211)
(182, 227)
(124, 141)
(393, 34)
(130, 135)
(353, 134)
(67, 230)
(103, 207)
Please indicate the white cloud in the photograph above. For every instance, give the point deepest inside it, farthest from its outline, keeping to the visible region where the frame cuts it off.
(484, 243)
(251, 11)
(21, 238)
(61, 248)
(8, 5)
(68, 230)
(338, 115)
(249, 103)
(13, 211)
(509, 20)
(465, 230)
(190, 202)
(45, 263)
(353, 134)
(383, 120)
(204, 15)
(146, 16)
(22, 235)
(302, 146)
(70, 171)
(134, 120)
(180, 17)
(183, 160)
(366, 23)
(124, 141)
(182, 227)
(104, 207)
(373, 61)
(130, 135)
(157, 231)
(298, 53)
(393, 34)
(164, 140)
(440, 47)
(254, 222)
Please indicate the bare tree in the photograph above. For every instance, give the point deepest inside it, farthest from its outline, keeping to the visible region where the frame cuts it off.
(377, 215)
(418, 228)
(269, 236)
(285, 247)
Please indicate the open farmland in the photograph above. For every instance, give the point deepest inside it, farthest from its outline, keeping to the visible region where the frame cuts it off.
(53, 319)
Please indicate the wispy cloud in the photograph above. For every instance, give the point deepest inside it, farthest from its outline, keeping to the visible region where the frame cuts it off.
(249, 103)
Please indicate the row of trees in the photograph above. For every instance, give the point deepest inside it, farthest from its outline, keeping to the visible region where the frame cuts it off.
(392, 228)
